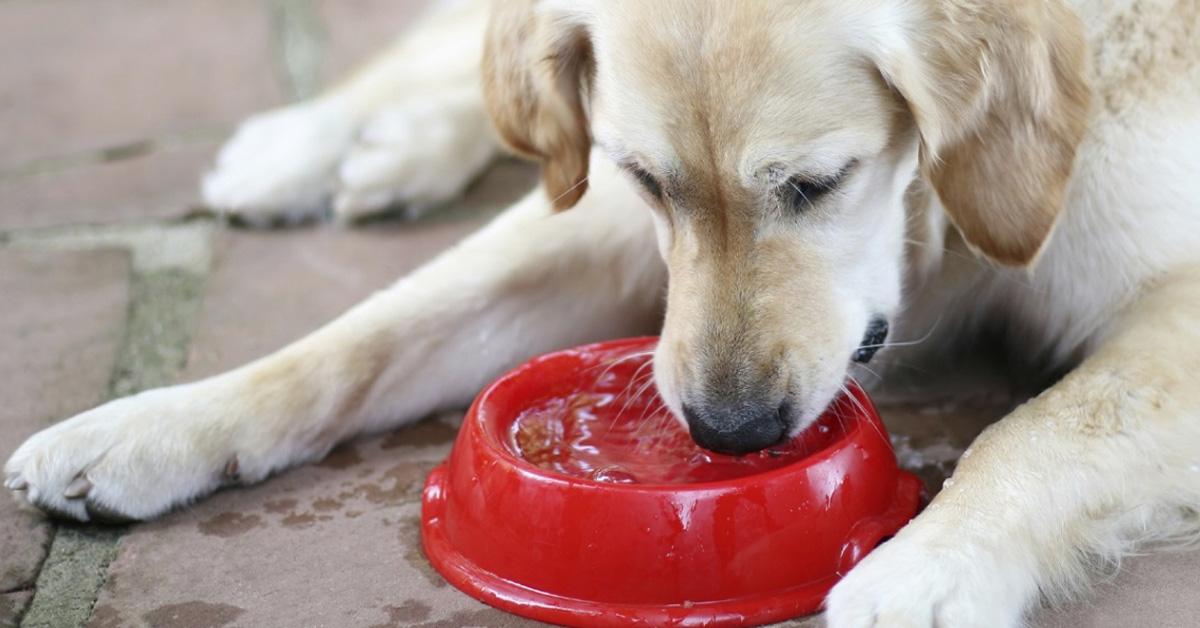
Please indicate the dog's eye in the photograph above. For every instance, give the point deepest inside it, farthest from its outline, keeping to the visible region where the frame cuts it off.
(804, 192)
(648, 182)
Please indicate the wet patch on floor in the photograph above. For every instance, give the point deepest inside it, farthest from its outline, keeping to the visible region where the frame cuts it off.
(193, 615)
(372, 487)
(407, 613)
(400, 484)
(280, 506)
(303, 520)
(228, 524)
(326, 504)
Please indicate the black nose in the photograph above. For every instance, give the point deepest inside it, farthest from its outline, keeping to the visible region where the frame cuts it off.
(873, 337)
(734, 429)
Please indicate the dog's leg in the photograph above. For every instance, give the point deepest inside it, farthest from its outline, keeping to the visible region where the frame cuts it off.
(530, 282)
(410, 129)
(1078, 475)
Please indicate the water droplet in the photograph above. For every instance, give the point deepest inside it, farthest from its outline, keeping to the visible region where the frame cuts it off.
(614, 474)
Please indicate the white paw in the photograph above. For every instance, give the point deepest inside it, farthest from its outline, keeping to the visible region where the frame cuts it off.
(931, 578)
(279, 165)
(416, 154)
(133, 458)
(289, 164)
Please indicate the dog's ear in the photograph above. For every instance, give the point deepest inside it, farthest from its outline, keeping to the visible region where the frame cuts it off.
(1000, 98)
(536, 67)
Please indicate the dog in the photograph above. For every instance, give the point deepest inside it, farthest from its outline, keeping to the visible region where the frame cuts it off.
(803, 178)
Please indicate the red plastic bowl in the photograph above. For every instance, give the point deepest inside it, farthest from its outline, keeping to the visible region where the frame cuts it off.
(579, 552)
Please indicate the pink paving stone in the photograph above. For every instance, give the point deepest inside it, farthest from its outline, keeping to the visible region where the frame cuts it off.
(163, 184)
(360, 29)
(85, 76)
(60, 330)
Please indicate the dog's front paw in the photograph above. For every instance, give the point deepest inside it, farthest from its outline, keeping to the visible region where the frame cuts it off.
(279, 165)
(414, 154)
(134, 458)
(931, 577)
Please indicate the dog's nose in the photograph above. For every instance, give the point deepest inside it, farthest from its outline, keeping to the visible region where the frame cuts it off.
(734, 429)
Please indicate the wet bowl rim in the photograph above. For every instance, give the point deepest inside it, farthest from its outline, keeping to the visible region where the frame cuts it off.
(474, 421)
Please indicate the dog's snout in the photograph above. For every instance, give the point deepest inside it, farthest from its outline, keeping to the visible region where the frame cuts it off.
(734, 429)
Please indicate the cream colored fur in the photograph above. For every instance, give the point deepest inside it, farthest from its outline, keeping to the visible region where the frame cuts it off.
(1030, 167)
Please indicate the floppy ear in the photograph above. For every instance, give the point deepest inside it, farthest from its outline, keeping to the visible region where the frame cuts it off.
(999, 95)
(535, 66)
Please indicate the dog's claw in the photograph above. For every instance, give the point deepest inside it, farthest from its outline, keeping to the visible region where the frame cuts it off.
(230, 474)
(16, 483)
(79, 487)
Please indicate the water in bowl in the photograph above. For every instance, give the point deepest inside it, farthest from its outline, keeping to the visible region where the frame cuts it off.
(616, 436)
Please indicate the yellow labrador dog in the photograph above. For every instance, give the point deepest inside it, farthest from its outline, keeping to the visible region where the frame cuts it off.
(813, 173)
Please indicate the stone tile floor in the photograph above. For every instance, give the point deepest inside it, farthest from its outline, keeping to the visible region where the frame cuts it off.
(108, 116)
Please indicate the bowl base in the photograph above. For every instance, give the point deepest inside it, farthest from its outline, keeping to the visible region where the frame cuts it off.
(515, 598)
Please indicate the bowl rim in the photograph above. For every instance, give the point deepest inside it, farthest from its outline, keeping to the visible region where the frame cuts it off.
(864, 414)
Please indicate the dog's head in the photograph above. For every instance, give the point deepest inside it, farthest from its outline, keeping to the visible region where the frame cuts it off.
(775, 142)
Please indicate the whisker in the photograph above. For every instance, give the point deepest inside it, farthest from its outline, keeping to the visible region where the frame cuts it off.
(869, 370)
(637, 381)
(639, 372)
(648, 408)
(858, 405)
(629, 399)
(845, 392)
(861, 408)
(569, 190)
(642, 381)
(611, 364)
(908, 343)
